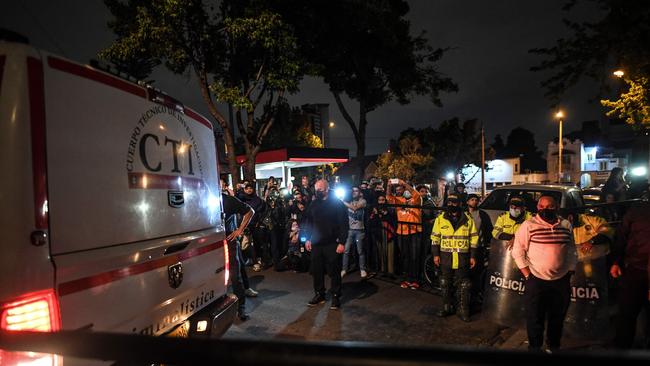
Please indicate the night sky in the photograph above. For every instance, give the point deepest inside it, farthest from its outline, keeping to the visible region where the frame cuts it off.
(489, 61)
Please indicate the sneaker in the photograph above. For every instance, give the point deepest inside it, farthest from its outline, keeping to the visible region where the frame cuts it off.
(257, 267)
(405, 284)
(343, 274)
(364, 274)
(316, 300)
(243, 316)
(249, 292)
(414, 285)
(336, 303)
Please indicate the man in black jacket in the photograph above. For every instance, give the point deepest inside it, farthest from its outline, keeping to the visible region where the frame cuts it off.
(260, 243)
(326, 230)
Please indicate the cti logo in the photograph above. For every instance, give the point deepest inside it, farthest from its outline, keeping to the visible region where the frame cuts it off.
(177, 148)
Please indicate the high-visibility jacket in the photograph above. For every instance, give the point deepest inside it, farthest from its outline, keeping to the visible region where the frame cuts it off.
(459, 240)
(507, 225)
(588, 227)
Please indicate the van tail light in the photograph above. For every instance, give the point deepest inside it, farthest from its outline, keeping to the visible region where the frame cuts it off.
(36, 312)
(227, 262)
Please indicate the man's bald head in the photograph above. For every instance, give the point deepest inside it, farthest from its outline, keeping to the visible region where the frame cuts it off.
(546, 203)
(321, 187)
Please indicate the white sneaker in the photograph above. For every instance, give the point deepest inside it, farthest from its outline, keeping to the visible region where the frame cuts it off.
(249, 292)
(364, 274)
(343, 274)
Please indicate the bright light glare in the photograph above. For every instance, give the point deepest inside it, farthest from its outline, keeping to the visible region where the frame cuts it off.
(450, 176)
(213, 202)
(339, 193)
(284, 192)
(202, 326)
(619, 73)
(559, 114)
(332, 124)
(143, 207)
(639, 171)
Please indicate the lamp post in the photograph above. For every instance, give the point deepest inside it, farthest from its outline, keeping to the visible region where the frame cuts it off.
(560, 116)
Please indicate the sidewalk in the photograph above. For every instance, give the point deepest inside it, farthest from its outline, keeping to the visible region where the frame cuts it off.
(519, 341)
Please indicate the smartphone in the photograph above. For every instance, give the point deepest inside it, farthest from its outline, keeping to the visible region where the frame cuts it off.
(394, 181)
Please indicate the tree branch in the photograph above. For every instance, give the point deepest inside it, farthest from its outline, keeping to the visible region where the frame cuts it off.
(346, 115)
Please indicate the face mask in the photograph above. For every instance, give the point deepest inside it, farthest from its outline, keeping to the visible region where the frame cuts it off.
(515, 212)
(320, 195)
(548, 215)
(407, 195)
(455, 210)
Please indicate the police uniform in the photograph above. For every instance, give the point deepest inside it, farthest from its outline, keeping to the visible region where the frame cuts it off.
(508, 225)
(455, 242)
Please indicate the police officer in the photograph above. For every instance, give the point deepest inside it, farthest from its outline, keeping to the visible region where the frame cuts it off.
(508, 222)
(454, 240)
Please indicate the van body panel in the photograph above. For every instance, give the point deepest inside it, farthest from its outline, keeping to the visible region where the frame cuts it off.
(124, 189)
(138, 154)
(24, 267)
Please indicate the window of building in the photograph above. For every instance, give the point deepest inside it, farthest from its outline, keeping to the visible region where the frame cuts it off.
(603, 165)
(516, 168)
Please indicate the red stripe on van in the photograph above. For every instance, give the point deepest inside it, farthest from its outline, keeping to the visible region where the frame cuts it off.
(160, 181)
(100, 77)
(37, 116)
(199, 118)
(101, 279)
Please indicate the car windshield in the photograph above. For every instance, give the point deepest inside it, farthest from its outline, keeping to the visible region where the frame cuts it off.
(498, 199)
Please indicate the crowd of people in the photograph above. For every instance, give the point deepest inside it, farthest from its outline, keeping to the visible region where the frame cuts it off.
(389, 228)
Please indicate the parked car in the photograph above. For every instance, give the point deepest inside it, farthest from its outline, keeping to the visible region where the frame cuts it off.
(111, 215)
(497, 201)
(591, 195)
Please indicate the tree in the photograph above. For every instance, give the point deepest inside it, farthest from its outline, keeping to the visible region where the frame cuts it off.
(365, 49)
(403, 163)
(451, 147)
(290, 129)
(498, 146)
(633, 106)
(241, 53)
(595, 49)
(521, 143)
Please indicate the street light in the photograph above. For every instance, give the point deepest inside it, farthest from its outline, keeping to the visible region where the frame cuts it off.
(560, 116)
(331, 124)
(619, 73)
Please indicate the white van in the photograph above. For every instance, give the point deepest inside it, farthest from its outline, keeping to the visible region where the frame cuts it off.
(111, 210)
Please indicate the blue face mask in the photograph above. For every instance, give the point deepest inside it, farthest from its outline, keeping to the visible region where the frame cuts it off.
(515, 212)
(407, 195)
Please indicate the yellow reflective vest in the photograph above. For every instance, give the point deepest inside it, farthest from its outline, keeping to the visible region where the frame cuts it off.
(506, 225)
(589, 227)
(454, 241)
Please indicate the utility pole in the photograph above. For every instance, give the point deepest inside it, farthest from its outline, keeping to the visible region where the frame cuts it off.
(482, 161)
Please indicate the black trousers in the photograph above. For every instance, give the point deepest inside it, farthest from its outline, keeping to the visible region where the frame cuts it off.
(632, 297)
(236, 269)
(324, 259)
(411, 256)
(452, 280)
(261, 241)
(546, 303)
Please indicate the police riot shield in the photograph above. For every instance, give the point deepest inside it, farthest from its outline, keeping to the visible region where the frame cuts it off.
(504, 287)
(588, 313)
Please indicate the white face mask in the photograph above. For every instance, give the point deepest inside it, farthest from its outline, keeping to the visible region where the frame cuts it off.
(515, 212)
(407, 195)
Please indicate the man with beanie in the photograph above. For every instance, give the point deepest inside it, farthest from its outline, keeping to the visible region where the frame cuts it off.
(545, 253)
(454, 240)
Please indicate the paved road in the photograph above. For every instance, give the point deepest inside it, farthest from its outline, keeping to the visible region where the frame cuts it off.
(374, 311)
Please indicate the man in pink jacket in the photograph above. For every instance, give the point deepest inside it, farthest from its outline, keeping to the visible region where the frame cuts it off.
(545, 252)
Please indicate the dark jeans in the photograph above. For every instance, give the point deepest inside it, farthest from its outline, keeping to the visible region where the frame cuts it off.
(236, 270)
(411, 256)
(632, 297)
(324, 259)
(546, 302)
(261, 240)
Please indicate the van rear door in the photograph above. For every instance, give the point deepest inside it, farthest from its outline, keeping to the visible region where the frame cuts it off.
(134, 203)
